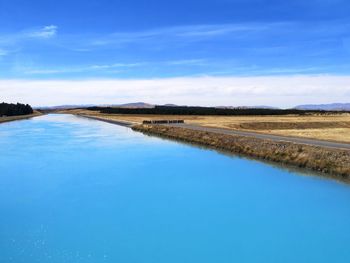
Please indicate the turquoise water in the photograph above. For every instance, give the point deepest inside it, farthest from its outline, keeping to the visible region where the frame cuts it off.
(78, 190)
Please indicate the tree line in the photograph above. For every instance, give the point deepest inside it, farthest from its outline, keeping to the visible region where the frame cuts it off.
(10, 109)
(193, 110)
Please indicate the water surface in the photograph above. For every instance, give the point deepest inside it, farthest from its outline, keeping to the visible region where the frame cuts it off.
(79, 190)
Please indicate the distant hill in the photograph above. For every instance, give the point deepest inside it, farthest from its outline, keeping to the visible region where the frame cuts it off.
(76, 106)
(144, 105)
(171, 105)
(135, 105)
(247, 107)
(327, 107)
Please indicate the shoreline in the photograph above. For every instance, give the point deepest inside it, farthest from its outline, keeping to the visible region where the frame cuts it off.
(325, 162)
(19, 117)
(334, 163)
(328, 129)
(121, 123)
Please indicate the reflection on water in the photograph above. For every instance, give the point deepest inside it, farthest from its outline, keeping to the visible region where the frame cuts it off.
(79, 190)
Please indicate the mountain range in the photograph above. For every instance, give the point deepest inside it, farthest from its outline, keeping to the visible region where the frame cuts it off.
(326, 107)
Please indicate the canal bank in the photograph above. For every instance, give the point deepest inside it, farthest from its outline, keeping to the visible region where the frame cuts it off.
(19, 117)
(331, 162)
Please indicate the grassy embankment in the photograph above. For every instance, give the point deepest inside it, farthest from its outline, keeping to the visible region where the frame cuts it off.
(19, 117)
(333, 162)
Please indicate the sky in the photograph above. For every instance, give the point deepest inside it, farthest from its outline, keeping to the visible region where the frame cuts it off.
(208, 52)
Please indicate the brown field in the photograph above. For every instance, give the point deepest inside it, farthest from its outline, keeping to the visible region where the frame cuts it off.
(322, 127)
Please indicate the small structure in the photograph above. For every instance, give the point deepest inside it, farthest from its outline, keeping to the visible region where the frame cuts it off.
(162, 121)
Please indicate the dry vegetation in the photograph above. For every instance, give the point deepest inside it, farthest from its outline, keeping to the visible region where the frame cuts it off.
(322, 127)
(330, 161)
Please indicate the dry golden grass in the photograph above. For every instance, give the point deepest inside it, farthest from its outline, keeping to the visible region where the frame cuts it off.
(322, 127)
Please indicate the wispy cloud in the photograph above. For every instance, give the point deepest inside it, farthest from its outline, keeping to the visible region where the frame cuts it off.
(113, 67)
(198, 67)
(116, 65)
(230, 49)
(217, 30)
(77, 69)
(244, 40)
(44, 32)
(38, 71)
(166, 34)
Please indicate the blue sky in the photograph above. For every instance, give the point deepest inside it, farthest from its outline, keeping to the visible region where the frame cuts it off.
(154, 39)
(142, 39)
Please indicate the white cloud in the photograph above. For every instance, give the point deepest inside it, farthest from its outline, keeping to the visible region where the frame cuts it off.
(217, 30)
(17, 38)
(79, 69)
(236, 31)
(44, 32)
(282, 91)
(177, 33)
(115, 65)
(107, 68)
(46, 71)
